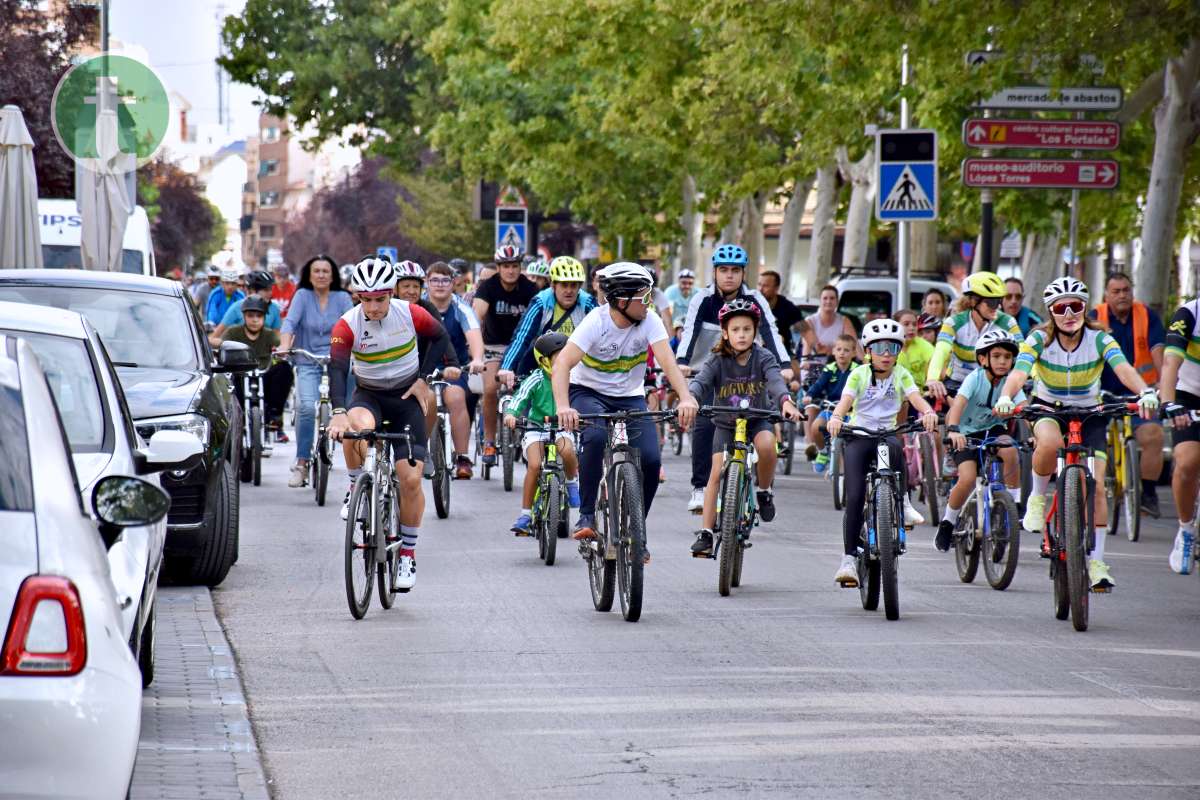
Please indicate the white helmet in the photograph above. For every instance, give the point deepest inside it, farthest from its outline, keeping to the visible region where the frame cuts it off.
(410, 270)
(882, 330)
(1062, 288)
(232, 274)
(996, 337)
(624, 279)
(373, 274)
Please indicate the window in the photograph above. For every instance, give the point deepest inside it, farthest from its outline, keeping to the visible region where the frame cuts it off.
(268, 167)
(270, 134)
(266, 231)
(268, 199)
(16, 480)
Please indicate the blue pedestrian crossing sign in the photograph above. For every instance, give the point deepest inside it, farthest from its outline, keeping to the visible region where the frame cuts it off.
(390, 253)
(907, 185)
(512, 225)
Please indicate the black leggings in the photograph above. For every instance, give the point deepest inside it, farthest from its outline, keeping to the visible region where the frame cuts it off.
(858, 456)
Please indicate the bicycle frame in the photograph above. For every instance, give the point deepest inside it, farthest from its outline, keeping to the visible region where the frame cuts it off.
(253, 396)
(989, 479)
(1071, 454)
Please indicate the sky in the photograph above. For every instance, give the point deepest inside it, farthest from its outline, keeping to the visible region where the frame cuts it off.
(181, 39)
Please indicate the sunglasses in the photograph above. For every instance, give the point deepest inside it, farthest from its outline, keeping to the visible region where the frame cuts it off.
(1068, 307)
(440, 281)
(884, 348)
(990, 302)
(646, 298)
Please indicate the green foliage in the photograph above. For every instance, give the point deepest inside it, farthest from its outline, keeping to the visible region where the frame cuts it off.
(437, 216)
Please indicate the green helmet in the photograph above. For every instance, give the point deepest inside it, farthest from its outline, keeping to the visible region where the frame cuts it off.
(538, 269)
(565, 268)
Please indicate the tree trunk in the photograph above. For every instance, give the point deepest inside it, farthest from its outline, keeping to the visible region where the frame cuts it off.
(1174, 131)
(1039, 265)
(922, 246)
(732, 232)
(820, 254)
(692, 221)
(789, 233)
(861, 176)
(756, 244)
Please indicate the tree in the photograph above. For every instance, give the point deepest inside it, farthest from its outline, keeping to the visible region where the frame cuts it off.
(184, 224)
(437, 216)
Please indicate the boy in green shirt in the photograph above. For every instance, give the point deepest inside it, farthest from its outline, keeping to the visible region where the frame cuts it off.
(917, 352)
(534, 399)
(251, 332)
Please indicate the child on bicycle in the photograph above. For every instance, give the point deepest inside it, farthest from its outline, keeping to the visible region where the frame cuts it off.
(971, 414)
(874, 393)
(740, 371)
(1066, 356)
(534, 400)
(827, 387)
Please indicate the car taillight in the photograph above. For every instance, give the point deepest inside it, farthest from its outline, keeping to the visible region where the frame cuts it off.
(46, 634)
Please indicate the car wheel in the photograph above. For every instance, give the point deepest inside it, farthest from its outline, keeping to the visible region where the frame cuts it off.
(210, 566)
(146, 650)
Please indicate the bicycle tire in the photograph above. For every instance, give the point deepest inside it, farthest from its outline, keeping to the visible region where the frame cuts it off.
(256, 446)
(790, 434)
(1024, 432)
(631, 517)
(602, 572)
(359, 548)
(245, 469)
(929, 474)
(551, 520)
(441, 470)
(1002, 542)
(868, 578)
(1133, 491)
(389, 568)
(731, 482)
(1114, 499)
(507, 456)
(886, 535)
(1074, 534)
(676, 438)
(966, 542)
(836, 474)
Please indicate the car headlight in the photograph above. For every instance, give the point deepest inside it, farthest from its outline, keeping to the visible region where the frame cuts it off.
(194, 424)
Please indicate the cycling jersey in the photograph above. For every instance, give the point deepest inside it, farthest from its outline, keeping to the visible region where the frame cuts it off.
(1183, 340)
(233, 316)
(534, 398)
(957, 339)
(383, 353)
(981, 396)
(544, 314)
(915, 358)
(877, 401)
(614, 358)
(1071, 377)
(831, 382)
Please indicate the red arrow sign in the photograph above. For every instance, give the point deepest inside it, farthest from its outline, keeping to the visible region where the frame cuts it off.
(1040, 173)
(1041, 134)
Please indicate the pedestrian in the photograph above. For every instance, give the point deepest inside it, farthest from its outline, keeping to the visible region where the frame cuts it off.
(934, 303)
(284, 289)
(820, 331)
(1013, 305)
(1140, 333)
(788, 316)
(679, 294)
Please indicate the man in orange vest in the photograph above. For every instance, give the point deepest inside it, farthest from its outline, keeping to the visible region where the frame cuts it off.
(1142, 337)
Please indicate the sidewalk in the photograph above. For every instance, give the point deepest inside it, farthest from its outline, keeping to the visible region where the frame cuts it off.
(196, 739)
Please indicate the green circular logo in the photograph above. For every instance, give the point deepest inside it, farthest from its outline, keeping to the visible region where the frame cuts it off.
(110, 110)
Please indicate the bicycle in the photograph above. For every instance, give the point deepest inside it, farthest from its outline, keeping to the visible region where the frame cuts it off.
(440, 447)
(506, 448)
(668, 429)
(737, 505)
(882, 540)
(926, 472)
(989, 527)
(1123, 480)
(551, 514)
(373, 524)
(1069, 533)
(321, 456)
(835, 471)
(254, 437)
(616, 555)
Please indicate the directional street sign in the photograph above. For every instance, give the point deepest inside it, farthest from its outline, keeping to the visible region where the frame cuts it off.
(1044, 98)
(1041, 134)
(907, 177)
(977, 58)
(1040, 173)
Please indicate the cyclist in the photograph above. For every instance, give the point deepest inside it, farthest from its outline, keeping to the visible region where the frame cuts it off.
(467, 342)
(560, 308)
(874, 393)
(539, 272)
(975, 313)
(741, 371)
(258, 283)
(1181, 393)
(971, 414)
(701, 334)
(461, 270)
(602, 369)
(917, 352)
(535, 401)
(253, 333)
(378, 339)
(830, 384)
(283, 290)
(1066, 356)
(928, 327)
(679, 294)
(200, 290)
(500, 301)
(819, 331)
(220, 299)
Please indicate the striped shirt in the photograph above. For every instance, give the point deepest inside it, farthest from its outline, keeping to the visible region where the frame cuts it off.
(1071, 377)
(958, 337)
(614, 358)
(1183, 340)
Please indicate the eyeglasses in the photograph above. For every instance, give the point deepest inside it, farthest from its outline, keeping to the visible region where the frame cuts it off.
(440, 281)
(884, 348)
(990, 302)
(1068, 307)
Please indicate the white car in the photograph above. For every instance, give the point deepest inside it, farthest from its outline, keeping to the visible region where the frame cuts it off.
(104, 442)
(70, 690)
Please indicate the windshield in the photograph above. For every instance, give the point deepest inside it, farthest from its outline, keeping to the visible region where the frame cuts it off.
(138, 328)
(73, 380)
(66, 256)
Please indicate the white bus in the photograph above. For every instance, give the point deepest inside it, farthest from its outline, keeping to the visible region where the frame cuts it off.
(62, 228)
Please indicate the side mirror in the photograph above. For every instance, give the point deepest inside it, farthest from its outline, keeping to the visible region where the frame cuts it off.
(123, 502)
(168, 450)
(235, 357)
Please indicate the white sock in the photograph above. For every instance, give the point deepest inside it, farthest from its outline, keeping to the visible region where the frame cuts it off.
(354, 473)
(1040, 484)
(1189, 527)
(527, 511)
(951, 514)
(573, 482)
(1101, 535)
(1015, 494)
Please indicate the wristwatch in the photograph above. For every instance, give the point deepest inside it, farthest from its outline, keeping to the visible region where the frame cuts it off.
(952, 428)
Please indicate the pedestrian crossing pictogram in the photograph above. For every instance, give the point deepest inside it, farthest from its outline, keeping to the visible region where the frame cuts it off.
(906, 194)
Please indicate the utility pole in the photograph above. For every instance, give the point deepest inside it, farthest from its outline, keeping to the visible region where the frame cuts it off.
(903, 261)
(985, 200)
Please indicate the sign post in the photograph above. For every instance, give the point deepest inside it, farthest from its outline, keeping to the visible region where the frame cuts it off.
(512, 219)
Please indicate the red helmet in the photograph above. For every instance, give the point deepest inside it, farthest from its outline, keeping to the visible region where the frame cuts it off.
(739, 305)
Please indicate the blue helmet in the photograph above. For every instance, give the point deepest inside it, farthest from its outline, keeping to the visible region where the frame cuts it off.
(730, 254)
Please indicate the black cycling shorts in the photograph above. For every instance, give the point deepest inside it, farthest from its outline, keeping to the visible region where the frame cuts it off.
(1192, 432)
(1095, 429)
(389, 407)
(722, 437)
(969, 453)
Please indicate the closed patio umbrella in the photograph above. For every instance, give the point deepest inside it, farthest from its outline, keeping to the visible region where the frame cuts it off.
(104, 203)
(20, 238)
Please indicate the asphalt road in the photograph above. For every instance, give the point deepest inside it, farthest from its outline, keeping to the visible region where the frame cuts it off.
(496, 678)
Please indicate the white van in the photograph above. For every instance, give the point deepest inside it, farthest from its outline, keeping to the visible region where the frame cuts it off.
(62, 228)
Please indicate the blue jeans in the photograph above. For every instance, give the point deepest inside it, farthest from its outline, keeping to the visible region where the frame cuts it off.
(642, 434)
(308, 390)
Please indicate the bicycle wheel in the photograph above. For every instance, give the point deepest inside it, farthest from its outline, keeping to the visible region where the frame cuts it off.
(1075, 534)
(602, 571)
(508, 455)
(886, 535)
(966, 542)
(930, 470)
(360, 549)
(256, 446)
(1114, 498)
(731, 484)
(836, 474)
(552, 516)
(389, 566)
(1133, 491)
(868, 578)
(441, 470)
(1024, 432)
(1002, 542)
(676, 438)
(789, 434)
(630, 517)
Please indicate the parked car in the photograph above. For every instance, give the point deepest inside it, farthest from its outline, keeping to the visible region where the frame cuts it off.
(104, 442)
(70, 691)
(172, 381)
(872, 294)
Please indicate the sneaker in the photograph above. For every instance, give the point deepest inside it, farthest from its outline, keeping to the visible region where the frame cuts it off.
(662, 474)
(696, 503)
(282, 437)
(406, 575)
(1035, 513)
(1150, 505)
(489, 454)
(945, 535)
(847, 574)
(299, 476)
(766, 504)
(464, 471)
(585, 528)
(522, 525)
(573, 495)
(1181, 554)
(1099, 576)
(912, 517)
(810, 452)
(704, 542)
(346, 503)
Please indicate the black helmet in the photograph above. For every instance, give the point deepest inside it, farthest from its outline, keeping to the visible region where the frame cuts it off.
(546, 346)
(254, 303)
(459, 265)
(259, 279)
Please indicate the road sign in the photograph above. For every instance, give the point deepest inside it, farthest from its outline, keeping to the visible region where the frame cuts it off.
(906, 161)
(1041, 134)
(390, 253)
(1040, 173)
(1044, 98)
(1088, 61)
(510, 197)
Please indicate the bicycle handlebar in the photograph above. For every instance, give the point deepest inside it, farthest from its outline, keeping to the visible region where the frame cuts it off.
(1030, 411)
(614, 416)
(880, 433)
(373, 436)
(322, 360)
(748, 413)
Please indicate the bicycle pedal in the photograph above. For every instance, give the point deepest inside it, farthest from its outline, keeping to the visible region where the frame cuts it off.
(1102, 589)
(523, 534)
(703, 555)
(848, 584)
(746, 545)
